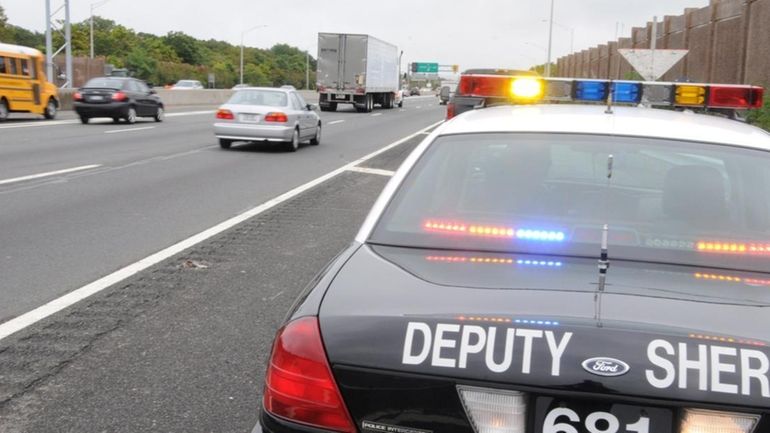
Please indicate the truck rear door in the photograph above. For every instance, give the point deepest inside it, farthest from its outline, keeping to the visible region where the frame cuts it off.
(331, 49)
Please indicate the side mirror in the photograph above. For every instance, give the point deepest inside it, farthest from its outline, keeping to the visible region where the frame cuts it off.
(152, 91)
(312, 107)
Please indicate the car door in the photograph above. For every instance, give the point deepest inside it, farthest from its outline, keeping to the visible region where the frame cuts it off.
(149, 102)
(306, 118)
(300, 113)
(132, 91)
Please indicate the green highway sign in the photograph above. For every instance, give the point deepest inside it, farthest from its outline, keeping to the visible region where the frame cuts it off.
(425, 68)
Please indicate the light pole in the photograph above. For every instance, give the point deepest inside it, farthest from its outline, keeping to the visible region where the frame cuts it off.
(242, 34)
(571, 34)
(94, 6)
(550, 38)
(307, 69)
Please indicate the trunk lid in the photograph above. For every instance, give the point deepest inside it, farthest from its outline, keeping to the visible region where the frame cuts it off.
(406, 326)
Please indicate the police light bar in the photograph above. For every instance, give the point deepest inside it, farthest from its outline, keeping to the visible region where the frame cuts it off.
(528, 89)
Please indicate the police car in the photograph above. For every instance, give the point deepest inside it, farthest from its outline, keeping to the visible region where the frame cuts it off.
(556, 268)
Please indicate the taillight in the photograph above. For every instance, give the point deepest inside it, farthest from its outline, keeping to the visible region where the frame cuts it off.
(450, 110)
(77, 96)
(299, 385)
(225, 114)
(119, 96)
(276, 116)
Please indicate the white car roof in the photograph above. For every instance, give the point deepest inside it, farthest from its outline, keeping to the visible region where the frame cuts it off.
(592, 119)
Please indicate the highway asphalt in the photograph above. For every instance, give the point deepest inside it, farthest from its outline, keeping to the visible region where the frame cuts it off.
(140, 188)
(181, 346)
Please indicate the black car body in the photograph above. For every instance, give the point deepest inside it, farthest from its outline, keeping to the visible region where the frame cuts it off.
(429, 325)
(117, 98)
(414, 91)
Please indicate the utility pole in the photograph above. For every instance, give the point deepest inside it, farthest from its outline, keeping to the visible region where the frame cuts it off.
(242, 34)
(307, 70)
(67, 47)
(550, 40)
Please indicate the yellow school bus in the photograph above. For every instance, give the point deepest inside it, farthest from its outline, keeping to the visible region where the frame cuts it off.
(23, 84)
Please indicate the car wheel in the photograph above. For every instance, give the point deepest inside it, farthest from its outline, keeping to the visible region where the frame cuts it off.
(401, 104)
(3, 110)
(317, 139)
(159, 115)
(116, 120)
(50, 109)
(131, 115)
(84, 119)
(224, 143)
(369, 103)
(293, 145)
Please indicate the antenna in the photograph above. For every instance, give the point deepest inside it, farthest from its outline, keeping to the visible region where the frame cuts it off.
(604, 260)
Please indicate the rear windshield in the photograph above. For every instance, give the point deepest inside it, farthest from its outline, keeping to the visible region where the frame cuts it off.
(185, 84)
(665, 201)
(259, 97)
(105, 83)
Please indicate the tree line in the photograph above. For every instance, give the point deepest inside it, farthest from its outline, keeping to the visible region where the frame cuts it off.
(174, 56)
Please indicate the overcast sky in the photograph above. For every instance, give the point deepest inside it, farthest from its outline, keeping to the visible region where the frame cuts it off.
(471, 33)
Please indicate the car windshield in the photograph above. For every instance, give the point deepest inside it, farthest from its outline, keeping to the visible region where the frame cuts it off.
(266, 98)
(105, 83)
(677, 202)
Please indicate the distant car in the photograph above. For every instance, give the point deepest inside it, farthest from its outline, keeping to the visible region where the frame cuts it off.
(241, 86)
(117, 98)
(414, 92)
(266, 114)
(187, 85)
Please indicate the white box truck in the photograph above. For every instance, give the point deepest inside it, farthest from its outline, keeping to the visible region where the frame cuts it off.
(356, 69)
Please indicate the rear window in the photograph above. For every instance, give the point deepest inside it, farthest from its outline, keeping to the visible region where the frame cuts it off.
(105, 83)
(666, 201)
(259, 97)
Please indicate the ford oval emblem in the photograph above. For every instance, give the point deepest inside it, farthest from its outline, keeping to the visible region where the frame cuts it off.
(602, 366)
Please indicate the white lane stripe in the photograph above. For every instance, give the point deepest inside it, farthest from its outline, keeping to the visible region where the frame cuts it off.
(190, 113)
(49, 173)
(31, 317)
(116, 131)
(39, 123)
(334, 122)
(368, 170)
(376, 114)
(418, 107)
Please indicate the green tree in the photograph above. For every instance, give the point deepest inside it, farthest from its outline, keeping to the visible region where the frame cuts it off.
(142, 64)
(186, 47)
(6, 32)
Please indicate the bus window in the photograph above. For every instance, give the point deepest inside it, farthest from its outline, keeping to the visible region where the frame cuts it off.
(12, 66)
(25, 67)
(2, 65)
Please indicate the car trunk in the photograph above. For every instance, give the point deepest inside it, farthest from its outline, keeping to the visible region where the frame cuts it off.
(98, 95)
(252, 114)
(404, 327)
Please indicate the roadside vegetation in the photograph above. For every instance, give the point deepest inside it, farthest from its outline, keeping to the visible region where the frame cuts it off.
(174, 56)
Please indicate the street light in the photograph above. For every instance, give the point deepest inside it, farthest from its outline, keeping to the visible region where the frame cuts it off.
(242, 34)
(571, 34)
(94, 6)
(550, 38)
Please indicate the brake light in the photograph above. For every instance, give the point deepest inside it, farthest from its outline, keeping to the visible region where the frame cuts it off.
(450, 110)
(77, 96)
(299, 385)
(225, 114)
(119, 96)
(735, 97)
(276, 116)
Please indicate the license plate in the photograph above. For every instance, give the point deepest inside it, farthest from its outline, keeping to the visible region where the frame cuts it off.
(249, 118)
(340, 96)
(96, 98)
(554, 415)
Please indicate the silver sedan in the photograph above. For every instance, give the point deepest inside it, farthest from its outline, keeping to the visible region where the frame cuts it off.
(265, 114)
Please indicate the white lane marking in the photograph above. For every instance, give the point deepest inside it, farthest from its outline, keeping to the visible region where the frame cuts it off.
(31, 317)
(418, 107)
(39, 123)
(49, 173)
(190, 113)
(368, 170)
(401, 110)
(425, 133)
(116, 131)
(376, 114)
(334, 122)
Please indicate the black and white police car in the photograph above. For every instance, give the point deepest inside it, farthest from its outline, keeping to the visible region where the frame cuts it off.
(554, 268)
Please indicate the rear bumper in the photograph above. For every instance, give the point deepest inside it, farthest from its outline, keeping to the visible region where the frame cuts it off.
(110, 109)
(241, 131)
(270, 424)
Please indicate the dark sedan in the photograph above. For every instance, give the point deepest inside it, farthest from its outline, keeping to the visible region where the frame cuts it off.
(117, 98)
